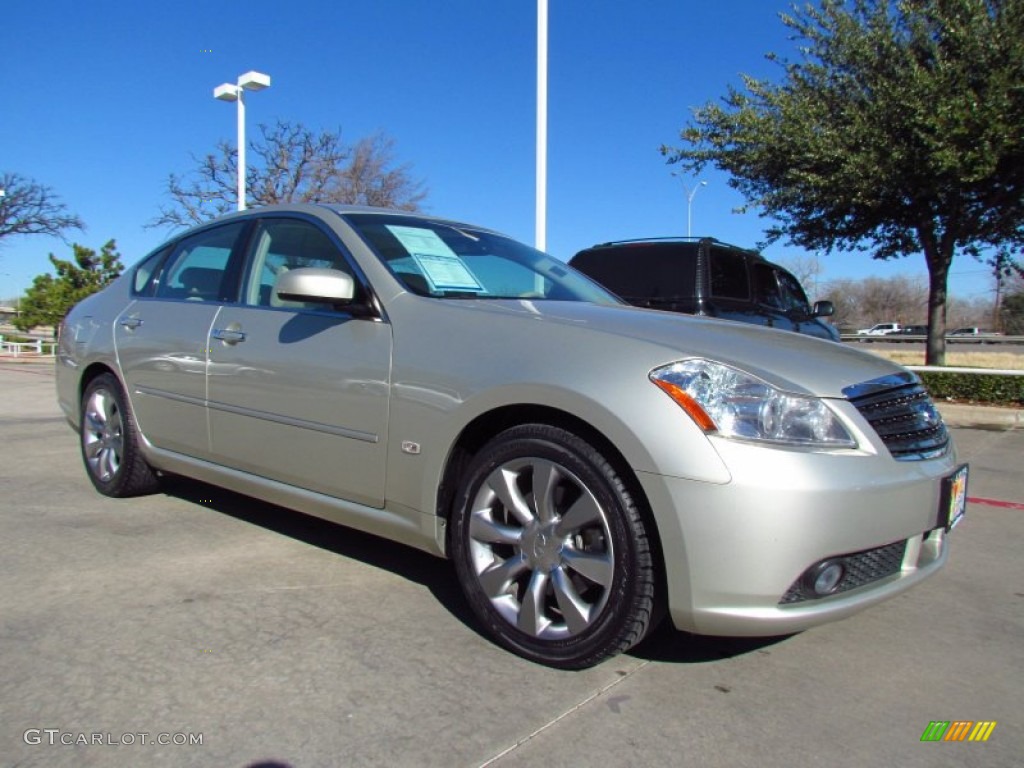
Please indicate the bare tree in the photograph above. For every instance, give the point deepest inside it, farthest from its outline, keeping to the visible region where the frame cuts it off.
(862, 303)
(29, 208)
(806, 269)
(293, 164)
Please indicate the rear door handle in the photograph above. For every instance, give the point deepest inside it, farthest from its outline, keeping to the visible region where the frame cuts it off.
(228, 335)
(131, 323)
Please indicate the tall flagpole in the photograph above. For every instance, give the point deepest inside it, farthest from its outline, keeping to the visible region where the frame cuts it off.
(542, 124)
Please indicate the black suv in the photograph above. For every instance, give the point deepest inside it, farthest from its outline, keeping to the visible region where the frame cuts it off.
(705, 277)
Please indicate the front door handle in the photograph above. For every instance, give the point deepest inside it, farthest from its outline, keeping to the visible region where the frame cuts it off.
(228, 335)
(131, 323)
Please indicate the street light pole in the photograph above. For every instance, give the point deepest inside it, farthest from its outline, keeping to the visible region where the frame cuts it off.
(540, 234)
(250, 81)
(690, 194)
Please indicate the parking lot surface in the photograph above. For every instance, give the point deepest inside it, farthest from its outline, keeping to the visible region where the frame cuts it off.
(202, 628)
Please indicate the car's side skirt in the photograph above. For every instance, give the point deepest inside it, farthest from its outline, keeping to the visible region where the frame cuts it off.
(406, 526)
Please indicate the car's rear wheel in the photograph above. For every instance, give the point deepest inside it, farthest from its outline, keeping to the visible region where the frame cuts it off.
(551, 549)
(110, 441)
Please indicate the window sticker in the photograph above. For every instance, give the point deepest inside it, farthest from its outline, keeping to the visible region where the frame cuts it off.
(447, 273)
(421, 240)
(444, 270)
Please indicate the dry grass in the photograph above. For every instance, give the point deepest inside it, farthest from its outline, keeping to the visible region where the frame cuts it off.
(1007, 361)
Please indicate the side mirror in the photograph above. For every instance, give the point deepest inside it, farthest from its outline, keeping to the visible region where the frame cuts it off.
(823, 309)
(321, 286)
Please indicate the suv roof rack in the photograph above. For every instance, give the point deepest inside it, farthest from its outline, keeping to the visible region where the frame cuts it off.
(678, 239)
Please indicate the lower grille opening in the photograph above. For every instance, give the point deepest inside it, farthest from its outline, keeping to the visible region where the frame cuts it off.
(859, 568)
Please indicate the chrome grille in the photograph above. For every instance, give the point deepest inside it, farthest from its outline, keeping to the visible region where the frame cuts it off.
(901, 412)
(860, 568)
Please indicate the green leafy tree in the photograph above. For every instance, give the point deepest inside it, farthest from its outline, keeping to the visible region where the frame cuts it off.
(289, 163)
(896, 130)
(51, 296)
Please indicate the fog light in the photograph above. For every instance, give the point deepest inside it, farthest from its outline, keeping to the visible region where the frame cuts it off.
(824, 578)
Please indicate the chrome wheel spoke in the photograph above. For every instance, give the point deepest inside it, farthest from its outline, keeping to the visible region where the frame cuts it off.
(93, 449)
(598, 567)
(503, 482)
(584, 511)
(108, 463)
(545, 479)
(531, 613)
(574, 608)
(483, 528)
(496, 578)
(94, 422)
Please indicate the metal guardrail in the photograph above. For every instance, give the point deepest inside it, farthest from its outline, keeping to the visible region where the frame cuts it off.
(899, 338)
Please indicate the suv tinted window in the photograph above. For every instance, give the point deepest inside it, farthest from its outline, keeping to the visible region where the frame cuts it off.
(729, 278)
(792, 293)
(766, 287)
(643, 270)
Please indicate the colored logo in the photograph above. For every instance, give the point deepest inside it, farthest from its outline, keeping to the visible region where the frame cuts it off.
(958, 730)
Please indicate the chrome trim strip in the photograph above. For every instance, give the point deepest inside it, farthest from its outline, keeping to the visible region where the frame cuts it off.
(354, 434)
(170, 396)
(881, 384)
(316, 426)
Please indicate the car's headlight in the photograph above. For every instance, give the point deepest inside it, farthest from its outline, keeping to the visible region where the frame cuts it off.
(735, 404)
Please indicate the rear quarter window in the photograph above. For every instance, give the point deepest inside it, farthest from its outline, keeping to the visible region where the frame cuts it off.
(143, 278)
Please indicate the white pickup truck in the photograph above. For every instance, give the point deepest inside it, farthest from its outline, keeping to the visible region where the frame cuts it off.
(880, 329)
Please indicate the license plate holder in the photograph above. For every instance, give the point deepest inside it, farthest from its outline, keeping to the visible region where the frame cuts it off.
(953, 499)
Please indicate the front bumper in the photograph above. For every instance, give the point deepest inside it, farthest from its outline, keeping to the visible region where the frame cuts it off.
(733, 551)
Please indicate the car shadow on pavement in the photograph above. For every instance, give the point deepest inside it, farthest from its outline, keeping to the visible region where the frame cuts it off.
(435, 574)
(670, 645)
(665, 644)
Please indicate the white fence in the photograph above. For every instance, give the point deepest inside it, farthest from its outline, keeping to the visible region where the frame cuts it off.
(37, 348)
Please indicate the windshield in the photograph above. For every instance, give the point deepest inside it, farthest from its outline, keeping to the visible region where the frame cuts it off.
(454, 261)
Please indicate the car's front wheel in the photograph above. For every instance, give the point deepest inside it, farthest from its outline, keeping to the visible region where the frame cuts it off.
(110, 441)
(551, 549)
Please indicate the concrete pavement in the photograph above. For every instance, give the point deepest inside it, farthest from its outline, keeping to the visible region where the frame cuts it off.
(281, 640)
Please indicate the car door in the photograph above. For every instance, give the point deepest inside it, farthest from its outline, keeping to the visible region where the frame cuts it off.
(298, 393)
(161, 338)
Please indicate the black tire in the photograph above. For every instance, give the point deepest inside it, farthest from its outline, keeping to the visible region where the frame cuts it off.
(109, 440)
(551, 550)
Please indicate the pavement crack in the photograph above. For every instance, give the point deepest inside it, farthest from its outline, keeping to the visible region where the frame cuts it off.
(554, 721)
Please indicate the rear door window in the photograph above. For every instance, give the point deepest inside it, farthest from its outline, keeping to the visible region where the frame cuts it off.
(729, 278)
(198, 268)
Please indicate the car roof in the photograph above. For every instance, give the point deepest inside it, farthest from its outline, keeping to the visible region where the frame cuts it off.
(317, 209)
(667, 243)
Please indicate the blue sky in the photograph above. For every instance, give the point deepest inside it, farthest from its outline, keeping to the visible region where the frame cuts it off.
(102, 100)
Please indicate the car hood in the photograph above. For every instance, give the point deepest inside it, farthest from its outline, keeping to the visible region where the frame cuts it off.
(791, 361)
